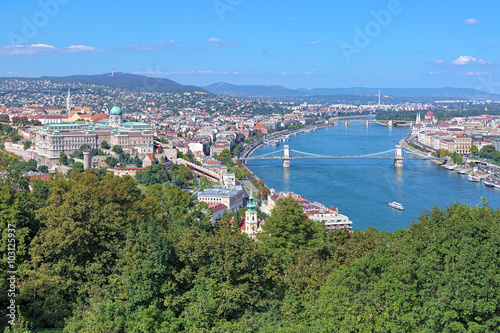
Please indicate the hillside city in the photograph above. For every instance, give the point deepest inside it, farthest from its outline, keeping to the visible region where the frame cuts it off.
(75, 126)
(177, 159)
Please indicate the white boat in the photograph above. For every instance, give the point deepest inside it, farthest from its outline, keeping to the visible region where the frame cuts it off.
(463, 171)
(489, 182)
(396, 205)
(450, 167)
(473, 178)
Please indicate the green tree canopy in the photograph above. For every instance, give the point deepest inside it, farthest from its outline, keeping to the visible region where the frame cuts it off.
(288, 231)
(117, 149)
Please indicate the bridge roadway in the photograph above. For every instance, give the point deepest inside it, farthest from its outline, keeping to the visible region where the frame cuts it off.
(288, 154)
(389, 123)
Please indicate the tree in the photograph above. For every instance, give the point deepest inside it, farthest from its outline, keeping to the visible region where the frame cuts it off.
(488, 149)
(137, 161)
(43, 169)
(474, 150)
(110, 161)
(117, 149)
(154, 174)
(85, 223)
(105, 145)
(77, 167)
(225, 157)
(27, 144)
(63, 159)
(288, 231)
(31, 165)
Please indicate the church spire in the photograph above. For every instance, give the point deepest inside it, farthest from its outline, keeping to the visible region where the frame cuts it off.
(251, 203)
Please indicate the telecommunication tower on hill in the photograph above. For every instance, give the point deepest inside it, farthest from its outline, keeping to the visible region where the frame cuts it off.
(379, 97)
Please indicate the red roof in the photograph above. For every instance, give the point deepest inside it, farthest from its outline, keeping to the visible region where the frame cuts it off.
(9, 140)
(150, 157)
(217, 207)
(42, 177)
(99, 116)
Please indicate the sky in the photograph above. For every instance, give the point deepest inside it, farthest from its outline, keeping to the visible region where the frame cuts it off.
(297, 44)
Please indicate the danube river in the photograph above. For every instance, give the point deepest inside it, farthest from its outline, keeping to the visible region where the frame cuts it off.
(362, 188)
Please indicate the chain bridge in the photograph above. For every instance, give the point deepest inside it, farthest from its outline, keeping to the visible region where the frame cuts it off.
(398, 154)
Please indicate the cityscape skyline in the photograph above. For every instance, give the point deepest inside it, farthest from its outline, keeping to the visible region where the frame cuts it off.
(298, 45)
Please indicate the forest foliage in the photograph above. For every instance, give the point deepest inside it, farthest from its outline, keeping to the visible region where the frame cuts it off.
(103, 256)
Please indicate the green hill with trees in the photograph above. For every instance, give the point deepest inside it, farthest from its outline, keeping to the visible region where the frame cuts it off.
(103, 256)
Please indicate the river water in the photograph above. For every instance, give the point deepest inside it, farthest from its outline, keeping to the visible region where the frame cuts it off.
(362, 188)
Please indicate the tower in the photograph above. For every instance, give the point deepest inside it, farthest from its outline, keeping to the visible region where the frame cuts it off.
(86, 159)
(379, 97)
(68, 103)
(115, 117)
(398, 156)
(286, 156)
(251, 223)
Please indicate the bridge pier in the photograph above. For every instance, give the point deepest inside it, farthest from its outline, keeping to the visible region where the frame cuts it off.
(390, 123)
(286, 156)
(367, 123)
(398, 157)
(346, 123)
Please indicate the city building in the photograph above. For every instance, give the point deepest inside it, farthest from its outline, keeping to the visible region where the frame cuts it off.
(314, 211)
(52, 139)
(232, 197)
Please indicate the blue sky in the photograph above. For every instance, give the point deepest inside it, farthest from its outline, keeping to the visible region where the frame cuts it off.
(377, 43)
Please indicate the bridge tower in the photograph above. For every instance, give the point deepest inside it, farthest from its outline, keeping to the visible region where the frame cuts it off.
(398, 157)
(390, 123)
(286, 156)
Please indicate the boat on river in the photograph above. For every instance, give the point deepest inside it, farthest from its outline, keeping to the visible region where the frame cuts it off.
(473, 178)
(490, 182)
(396, 205)
(450, 167)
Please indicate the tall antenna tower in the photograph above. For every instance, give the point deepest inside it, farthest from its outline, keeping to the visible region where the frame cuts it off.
(68, 103)
(112, 72)
(379, 97)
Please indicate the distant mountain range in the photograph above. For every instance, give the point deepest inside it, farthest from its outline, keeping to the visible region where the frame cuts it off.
(141, 83)
(355, 93)
(224, 88)
(132, 82)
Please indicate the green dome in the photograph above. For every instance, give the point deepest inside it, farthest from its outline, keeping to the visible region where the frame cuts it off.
(116, 111)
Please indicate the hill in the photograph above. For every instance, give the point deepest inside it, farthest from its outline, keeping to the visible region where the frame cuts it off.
(354, 94)
(132, 82)
(224, 88)
(445, 92)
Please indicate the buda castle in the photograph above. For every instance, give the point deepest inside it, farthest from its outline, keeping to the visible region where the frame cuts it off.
(52, 139)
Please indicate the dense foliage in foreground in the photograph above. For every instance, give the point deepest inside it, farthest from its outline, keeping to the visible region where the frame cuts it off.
(102, 256)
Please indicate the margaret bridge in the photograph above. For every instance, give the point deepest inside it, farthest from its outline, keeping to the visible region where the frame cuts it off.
(287, 154)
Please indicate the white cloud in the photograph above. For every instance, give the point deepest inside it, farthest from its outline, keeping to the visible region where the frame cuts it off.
(476, 73)
(222, 43)
(292, 18)
(44, 49)
(439, 61)
(471, 21)
(433, 73)
(315, 42)
(139, 47)
(468, 60)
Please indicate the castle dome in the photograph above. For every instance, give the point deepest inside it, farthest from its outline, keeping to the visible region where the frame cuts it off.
(116, 111)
